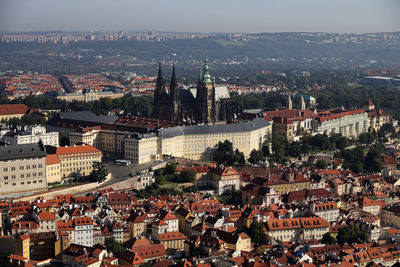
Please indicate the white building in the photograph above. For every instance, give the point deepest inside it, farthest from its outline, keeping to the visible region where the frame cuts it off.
(171, 220)
(83, 233)
(349, 123)
(225, 179)
(196, 142)
(328, 211)
(33, 134)
(22, 169)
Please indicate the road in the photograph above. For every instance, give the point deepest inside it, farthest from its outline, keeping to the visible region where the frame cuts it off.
(121, 173)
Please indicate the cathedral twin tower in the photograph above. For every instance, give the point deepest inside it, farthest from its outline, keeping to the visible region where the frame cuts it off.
(190, 105)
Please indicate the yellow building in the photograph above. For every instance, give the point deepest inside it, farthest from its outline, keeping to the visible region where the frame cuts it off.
(89, 95)
(19, 246)
(53, 172)
(196, 142)
(290, 182)
(182, 214)
(286, 230)
(173, 240)
(10, 111)
(76, 160)
(391, 216)
(137, 225)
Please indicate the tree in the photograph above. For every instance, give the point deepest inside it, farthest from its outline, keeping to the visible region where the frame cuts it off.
(256, 232)
(265, 149)
(328, 239)
(256, 156)
(279, 144)
(372, 162)
(187, 175)
(238, 158)
(170, 168)
(99, 172)
(116, 247)
(341, 143)
(321, 164)
(224, 154)
(63, 139)
(160, 180)
(351, 234)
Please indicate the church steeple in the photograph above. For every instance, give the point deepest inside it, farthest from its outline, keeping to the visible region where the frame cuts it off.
(173, 97)
(289, 104)
(205, 76)
(173, 85)
(160, 85)
(302, 104)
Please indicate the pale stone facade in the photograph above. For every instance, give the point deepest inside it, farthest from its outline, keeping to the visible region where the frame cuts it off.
(76, 160)
(22, 169)
(196, 142)
(31, 135)
(348, 123)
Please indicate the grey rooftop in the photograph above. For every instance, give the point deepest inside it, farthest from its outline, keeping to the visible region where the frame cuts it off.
(21, 151)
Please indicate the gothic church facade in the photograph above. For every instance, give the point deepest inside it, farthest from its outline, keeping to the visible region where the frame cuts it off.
(205, 103)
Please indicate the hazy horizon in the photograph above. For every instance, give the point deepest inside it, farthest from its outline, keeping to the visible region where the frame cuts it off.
(223, 16)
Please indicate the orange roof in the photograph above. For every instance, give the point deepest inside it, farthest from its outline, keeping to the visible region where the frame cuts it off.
(11, 109)
(326, 206)
(335, 116)
(172, 236)
(46, 216)
(83, 221)
(52, 159)
(76, 150)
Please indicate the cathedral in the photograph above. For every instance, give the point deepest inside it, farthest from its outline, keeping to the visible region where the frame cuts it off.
(205, 103)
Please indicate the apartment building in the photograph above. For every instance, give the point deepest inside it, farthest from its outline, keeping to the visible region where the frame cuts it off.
(195, 142)
(294, 229)
(328, 211)
(76, 160)
(83, 231)
(22, 169)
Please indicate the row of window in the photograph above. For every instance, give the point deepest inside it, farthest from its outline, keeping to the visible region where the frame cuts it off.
(28, 182)
(28, 167)
(28, 175)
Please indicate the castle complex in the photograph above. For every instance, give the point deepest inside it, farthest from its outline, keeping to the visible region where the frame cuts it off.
(206, 103)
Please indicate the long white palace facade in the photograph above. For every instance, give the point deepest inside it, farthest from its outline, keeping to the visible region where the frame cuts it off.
(196, 142)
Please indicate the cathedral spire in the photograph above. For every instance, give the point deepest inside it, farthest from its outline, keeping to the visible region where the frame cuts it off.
(173, 77)
(173, 85)
(160, 81)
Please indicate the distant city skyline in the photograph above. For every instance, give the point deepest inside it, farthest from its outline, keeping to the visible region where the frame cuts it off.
(254, 16)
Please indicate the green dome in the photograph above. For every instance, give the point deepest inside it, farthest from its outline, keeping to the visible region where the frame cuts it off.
(205, 76)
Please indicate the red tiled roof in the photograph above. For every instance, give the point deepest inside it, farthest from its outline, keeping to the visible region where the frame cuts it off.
(11, 109)
(74, 150)
(52, 159)
(153, 251)
(46, 216)
(172, 236)
(83, 221)
(335, 116)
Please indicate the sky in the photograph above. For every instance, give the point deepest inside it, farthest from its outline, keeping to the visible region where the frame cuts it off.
(251, 16)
